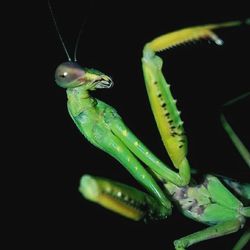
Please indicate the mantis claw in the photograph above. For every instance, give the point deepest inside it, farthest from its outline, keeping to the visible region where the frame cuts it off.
(121, 198)
(179, 37)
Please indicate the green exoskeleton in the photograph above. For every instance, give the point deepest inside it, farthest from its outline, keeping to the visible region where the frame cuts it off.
(208, 202)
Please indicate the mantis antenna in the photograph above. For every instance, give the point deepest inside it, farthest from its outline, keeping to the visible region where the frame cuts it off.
(79, 36)
(80, 33)
(58, 31)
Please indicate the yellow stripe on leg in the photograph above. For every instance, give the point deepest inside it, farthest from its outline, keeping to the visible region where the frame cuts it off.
(111, 196)
(120, 207)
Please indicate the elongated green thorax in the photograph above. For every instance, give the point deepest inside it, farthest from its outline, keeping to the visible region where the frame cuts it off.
(79, 100)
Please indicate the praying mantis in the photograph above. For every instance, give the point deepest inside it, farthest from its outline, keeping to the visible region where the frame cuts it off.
(208, 202)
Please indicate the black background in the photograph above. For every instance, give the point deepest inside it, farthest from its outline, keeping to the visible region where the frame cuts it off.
(203, 77)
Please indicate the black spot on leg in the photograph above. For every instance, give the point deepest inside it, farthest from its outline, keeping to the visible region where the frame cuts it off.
(174, 133)
(163, 105)
(138, 205)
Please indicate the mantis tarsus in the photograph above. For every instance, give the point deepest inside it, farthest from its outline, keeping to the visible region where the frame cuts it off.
(208, 202)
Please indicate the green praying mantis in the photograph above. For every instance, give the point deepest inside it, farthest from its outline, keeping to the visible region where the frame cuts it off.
(209, 202)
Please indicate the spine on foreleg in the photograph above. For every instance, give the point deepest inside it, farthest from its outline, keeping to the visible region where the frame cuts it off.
(122, 199)
(179, 37)
(164, 108)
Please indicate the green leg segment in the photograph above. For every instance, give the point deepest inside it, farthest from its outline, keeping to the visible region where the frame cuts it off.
(208, 233)
(242, 189)
(242, 242)
(117, 149)
(232, 135)
(166, 114)
(221, 195)
(236, 140)
(120, 198)
(146, 156)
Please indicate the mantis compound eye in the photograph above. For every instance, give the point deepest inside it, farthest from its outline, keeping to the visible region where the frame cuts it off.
(67, 73)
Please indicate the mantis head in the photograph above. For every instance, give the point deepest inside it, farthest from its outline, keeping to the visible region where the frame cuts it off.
(71, 75)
